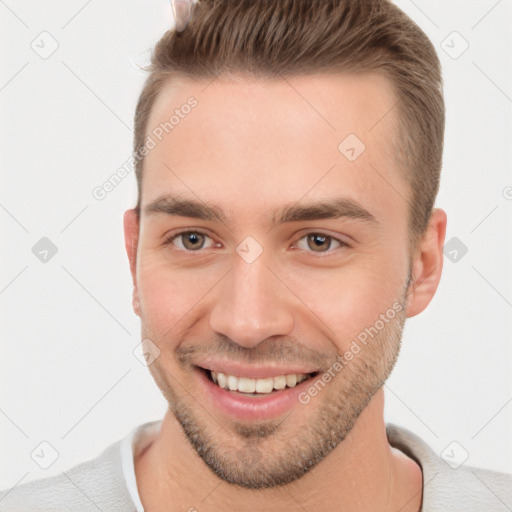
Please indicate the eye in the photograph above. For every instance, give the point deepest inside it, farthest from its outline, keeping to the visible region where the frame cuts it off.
(189, 240)
(319, 242)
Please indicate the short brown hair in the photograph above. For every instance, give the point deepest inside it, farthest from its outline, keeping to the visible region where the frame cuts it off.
(273, 38)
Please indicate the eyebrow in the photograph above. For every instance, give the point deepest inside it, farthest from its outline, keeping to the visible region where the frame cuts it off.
(327, 209)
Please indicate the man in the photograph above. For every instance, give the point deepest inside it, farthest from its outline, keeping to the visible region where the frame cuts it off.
(288, 156)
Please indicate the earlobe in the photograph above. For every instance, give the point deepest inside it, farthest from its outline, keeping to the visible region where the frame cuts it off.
(427, 264)
(131, 239)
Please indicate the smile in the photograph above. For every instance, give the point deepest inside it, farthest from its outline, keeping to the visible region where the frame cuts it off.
(253, 387)
(266, 398)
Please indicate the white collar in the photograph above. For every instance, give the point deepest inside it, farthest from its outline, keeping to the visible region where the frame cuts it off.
(135, 442)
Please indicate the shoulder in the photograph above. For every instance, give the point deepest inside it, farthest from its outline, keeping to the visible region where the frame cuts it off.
(92, 485)
(476, 488)
(452, 487)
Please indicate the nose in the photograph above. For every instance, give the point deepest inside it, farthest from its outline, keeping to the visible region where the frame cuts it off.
(251, 305)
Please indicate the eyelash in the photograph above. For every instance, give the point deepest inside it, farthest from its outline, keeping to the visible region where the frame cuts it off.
(174, 236)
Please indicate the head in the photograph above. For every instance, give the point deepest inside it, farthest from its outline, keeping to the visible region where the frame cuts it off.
(287, 159)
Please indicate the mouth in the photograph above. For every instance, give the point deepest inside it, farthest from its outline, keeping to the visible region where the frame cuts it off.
(248, 393)
(251, 387)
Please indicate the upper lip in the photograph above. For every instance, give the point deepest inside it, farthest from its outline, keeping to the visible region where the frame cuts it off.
(253, 371)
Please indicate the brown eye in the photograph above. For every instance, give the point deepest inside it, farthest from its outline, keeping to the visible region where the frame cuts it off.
(192, 240)
(318, 242)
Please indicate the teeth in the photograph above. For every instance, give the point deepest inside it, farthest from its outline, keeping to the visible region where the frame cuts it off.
(247, 385)
(291, 380)
(280, 382)
(264, 385)
(232, 383)
(222, 380)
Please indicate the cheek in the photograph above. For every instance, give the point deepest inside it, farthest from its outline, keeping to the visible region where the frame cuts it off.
(352, 298)
(169, 296)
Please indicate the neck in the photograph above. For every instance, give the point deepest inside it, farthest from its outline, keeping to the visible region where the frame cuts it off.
(362, 473)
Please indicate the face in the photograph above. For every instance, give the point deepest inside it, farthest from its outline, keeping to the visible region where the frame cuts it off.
(264, 250)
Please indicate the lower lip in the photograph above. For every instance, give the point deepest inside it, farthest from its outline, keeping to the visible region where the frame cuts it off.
(251, 407)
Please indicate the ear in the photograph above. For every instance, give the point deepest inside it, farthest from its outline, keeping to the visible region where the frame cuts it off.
(427, 264)
(131, 239)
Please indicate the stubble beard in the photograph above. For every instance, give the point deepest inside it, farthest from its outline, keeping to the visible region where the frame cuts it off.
(276, 452)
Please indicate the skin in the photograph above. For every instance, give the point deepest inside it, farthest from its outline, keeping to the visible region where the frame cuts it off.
(249, 147)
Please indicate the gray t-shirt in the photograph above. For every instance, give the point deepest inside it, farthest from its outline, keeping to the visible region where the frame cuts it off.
(108, 482)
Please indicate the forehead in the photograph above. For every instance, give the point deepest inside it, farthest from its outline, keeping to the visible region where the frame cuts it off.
(329, 104)
(262, 142)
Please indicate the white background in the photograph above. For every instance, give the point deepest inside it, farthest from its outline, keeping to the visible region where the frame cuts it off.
(68, 375)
